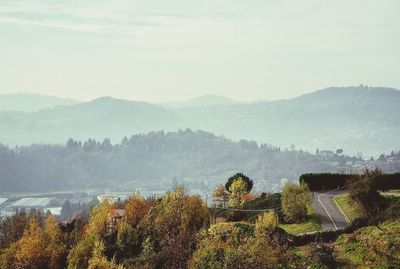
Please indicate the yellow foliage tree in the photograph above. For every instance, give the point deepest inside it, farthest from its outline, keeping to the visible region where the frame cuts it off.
(178, 217)
(99, 220)
(136, 208)
(32, 247)
(99, 261)
(97, 229)
(266, 224)
(56, 247)
(237, 189)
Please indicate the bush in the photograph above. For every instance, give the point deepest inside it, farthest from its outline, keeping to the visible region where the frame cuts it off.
(295, 200)
(364, 189)
(208, 258)
(266, 224)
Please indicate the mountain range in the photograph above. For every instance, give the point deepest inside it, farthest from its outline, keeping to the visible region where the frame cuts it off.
(29, 102)
(355, 119)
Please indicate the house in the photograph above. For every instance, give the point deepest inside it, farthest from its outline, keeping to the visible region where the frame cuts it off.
(326, 155)
(115, 217)
(31, 203)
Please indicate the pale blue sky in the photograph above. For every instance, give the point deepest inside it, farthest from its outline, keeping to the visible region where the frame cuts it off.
(162, 50)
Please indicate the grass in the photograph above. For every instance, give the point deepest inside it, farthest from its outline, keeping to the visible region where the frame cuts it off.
(394, 191)
(347, 205)
(389, 211)
(391, 194)
(377, 247)
(312, 224)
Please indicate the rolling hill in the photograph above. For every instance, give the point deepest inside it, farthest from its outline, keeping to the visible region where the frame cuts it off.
(28, 102)
(357, 119)
(202, 101)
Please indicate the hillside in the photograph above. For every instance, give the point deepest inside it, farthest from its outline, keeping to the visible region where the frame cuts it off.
(357, 119)
(156, 161)
(201, 101)
(28, 102)
(100, 118)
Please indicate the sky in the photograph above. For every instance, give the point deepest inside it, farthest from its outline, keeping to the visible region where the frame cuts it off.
(164, 50)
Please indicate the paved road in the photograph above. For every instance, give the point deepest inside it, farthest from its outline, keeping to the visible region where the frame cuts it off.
(329, 214)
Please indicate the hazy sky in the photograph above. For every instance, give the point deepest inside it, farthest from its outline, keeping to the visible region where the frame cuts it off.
(160, 50)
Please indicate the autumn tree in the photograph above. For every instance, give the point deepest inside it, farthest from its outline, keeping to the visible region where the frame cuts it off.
(239, 176)
(56, 243)
(7, 256)
(266, 224)
(136, 208)
(40, 246)
(97, 229)
(99, 261)
(364, 190)
(12, 228)
(220, 194)
(237, 189)
(228, 245)
(264, 250)
(81, 253)
(32, 248)
(132, 232)
(295, 199)
(219, 246)
(177, 219)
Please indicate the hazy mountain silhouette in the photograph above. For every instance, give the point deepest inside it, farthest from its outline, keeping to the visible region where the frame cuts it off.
(31, 102)
(357, 119)
(201, 101)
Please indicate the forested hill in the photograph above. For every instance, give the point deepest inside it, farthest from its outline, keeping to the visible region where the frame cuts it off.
(357, 119)
(155, 161)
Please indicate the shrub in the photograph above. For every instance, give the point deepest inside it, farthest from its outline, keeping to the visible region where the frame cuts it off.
(295, 200)
(208, 258)
(266, 224)
(363, 190)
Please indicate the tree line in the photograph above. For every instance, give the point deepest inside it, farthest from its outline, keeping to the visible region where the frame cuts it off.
(157, 159)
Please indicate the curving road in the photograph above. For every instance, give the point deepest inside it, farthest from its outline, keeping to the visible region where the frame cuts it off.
(328, 212)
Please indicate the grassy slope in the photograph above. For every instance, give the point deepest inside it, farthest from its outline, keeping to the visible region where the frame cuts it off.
(372, 246)
(311, 225)
(348, 207)
(368, 247)
(394, 194)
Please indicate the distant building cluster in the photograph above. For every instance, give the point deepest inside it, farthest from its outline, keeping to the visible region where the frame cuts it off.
(50, 203)
(9, 206)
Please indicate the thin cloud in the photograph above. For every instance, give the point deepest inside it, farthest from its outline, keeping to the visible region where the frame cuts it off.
(78, 17)
(53, 24)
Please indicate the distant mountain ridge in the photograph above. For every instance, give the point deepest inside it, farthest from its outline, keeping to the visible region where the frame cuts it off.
(201, 101)
(357, 119)
(28, 102)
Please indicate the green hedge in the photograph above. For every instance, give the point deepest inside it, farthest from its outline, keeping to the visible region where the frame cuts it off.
(330, 181)
(324, 181)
